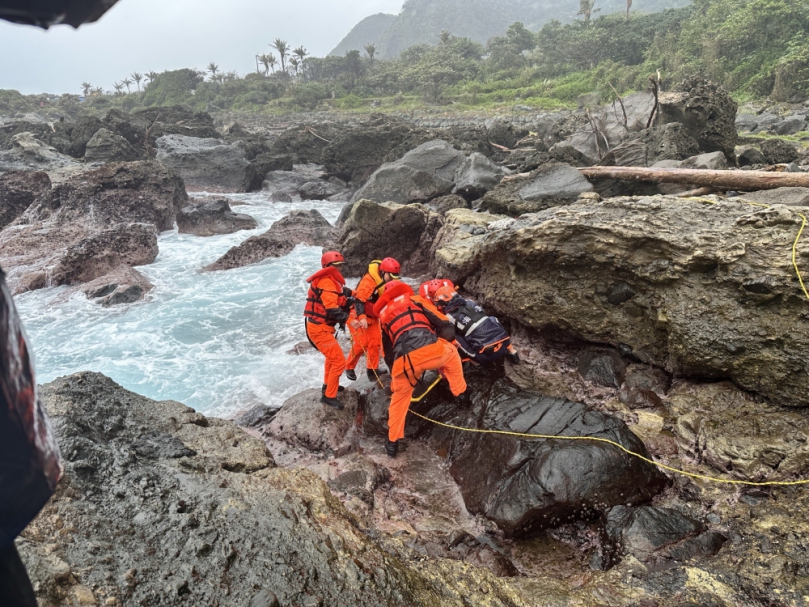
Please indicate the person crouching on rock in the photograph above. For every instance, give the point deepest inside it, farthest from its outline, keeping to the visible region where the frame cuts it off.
(421, 338)
(326, 307)
(366, 335)
(479, 337)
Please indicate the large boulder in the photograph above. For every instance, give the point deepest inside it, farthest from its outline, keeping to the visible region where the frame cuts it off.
(104, 201)
(778, 151)
(29, 153)
(376, 231)
(715, 292)
(123, 285)
(260, 166)
(211, 217)
(18, 190)
(204, 163)
(453, 252)
(476, 176)
(106, 146)
(205, 504)
(299, 227)
(553, 184)
(419, 176)
(304, 182)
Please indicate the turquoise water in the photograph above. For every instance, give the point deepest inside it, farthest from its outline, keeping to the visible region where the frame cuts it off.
(216, 341)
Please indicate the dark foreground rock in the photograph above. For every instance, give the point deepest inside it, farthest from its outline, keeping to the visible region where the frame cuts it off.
(161, 505)
(18, 190)
(81, 228)
(210, 217)
(299, 227)
(122, 285)
(708, 290)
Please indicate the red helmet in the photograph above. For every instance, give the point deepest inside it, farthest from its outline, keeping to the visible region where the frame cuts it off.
(391, 266)
(429, 289)
(444, 295)
(331, 258)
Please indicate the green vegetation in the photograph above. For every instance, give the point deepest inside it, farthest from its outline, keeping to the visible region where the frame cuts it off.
(755, 48)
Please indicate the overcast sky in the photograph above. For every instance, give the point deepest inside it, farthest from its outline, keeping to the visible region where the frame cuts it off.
(157, 35)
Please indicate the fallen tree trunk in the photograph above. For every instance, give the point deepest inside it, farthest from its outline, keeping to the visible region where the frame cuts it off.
(735, 180)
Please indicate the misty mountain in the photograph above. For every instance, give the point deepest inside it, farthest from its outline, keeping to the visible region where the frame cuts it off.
(420, 21)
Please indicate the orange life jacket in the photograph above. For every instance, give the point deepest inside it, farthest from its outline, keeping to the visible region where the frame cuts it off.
(398, 314)
(315, 310)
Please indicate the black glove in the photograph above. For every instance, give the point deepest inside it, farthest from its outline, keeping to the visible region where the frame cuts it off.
(359, 307)
(337, 314)
(347, 292)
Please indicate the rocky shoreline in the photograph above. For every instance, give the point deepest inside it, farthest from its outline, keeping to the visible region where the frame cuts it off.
(671, 326)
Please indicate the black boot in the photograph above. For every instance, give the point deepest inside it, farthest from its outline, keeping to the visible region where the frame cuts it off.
(351, 375)
(332, 402)
(513, 357)
(391, 447)
(373, 374)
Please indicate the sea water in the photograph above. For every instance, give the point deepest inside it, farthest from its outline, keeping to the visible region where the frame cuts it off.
(216, 341)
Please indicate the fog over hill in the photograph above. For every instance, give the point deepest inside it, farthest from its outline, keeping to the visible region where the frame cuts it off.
(420, 21)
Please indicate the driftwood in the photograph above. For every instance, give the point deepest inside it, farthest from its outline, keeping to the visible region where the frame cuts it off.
(733, 180)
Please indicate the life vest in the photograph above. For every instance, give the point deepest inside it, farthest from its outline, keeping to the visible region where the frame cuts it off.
(398, 314)
(315, 310)
(374, 273)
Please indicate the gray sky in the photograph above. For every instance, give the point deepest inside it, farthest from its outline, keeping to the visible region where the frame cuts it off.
(146, 35)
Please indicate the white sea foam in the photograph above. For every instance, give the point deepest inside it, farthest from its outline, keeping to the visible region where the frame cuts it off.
(215, 341)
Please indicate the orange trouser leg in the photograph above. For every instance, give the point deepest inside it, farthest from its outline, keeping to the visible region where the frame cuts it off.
(442, 356)
(322, 336)
(365, 342)
(357, 345)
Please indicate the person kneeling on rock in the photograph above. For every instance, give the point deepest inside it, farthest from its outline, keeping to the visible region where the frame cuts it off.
(366, 336)
(421, 339)
(327, 307)
(479, 337)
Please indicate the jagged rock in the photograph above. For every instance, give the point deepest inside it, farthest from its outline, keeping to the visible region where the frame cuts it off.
(210, 164)
(29, 153)
(443, 204)
(121, 286)
(83, 131)
(18, 190)
(256, 173)
(376, 231)
(453, 250)
(778, 151)
(525, 486)
(324, 189)
(749, 155)
(715, 287)
(299, 227)
(551, 185)
(419, 176)
(211, 217)
(106, 146)
(669, 141)
(791, 197)
(476, 176)
(304, 182)
(503, 132)
(105, 200)
(706, 110)
(603, 367)
(713, 160)
(256, 417)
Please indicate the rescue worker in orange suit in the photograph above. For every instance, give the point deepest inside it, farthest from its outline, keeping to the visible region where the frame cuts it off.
(479, 337)
(421, 339)
(327, 308)
(366, 335)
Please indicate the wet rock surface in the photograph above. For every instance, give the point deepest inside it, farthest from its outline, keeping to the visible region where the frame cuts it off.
(305, 182)
(123, 285)
(210, 217)
(27, 153)
(18, 191)
(691, 267)
(299, 227)
(106, 146)
(84, 227)
(210, 164)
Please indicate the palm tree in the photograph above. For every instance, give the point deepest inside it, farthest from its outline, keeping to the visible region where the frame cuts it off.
(282, 47)
(119, 87)
(265, 61)
(444, 36)
(137, 78)
(301, 53)
(370, 48)
(628, 6)
(213, 68)
(272, 61)
(294, 62)
(151, 76)
(86, 87)
(586, 9)
(127, 82)
(231, 75)
(98, 91)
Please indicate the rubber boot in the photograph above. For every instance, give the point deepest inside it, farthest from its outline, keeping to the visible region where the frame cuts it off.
(372, 374)
(332, 402)
(339, 388)
(350, 374)
(513, 356)
(391, 448)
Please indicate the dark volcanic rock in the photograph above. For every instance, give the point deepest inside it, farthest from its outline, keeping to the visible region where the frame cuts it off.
(106, 146)
(264, 163)
(299, 227)
(750, 155)
(208, 163)
(603, 367)
(376, 231)
(18, 190)
(165, 506)
(211, 217)
(123, 285)
(30, 153)
(79, 210)
(778, 151)
(553, 184)
(476, 176)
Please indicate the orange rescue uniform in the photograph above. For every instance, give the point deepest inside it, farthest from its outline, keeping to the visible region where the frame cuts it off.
(321, 334)
(364, 341)
(409, 366)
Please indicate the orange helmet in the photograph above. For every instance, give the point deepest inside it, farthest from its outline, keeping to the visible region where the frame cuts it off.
(391, 266)
(331, 258)
(429, 289)
(443, 295)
